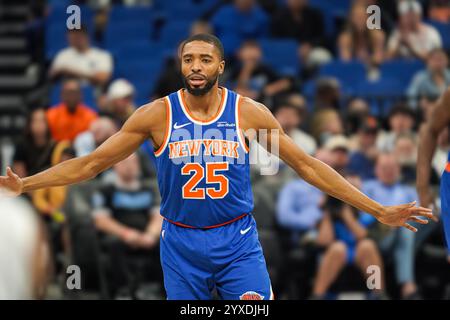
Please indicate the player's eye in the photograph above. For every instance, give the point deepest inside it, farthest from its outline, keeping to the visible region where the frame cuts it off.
(187, 60)
(206, 60)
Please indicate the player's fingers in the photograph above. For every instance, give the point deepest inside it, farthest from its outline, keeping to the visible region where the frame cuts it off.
(418, 220)
(425, 214)
(410, 227)
(10, 173)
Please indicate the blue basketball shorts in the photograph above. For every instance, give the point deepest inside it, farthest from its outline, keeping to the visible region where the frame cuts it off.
(445, 206)
(228, 259)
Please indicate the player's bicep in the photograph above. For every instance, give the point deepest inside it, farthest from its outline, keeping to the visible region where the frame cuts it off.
(440, 114)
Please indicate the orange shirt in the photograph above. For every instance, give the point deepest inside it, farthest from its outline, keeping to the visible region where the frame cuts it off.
(65, 125)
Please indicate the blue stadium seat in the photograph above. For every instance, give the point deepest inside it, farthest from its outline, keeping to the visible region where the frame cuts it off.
(56, 28)
(401, 70)
(138, 50)
(281, 55)
(131, 14)
(348, 73)
(174, 32)
(118, 33)
(444, 31)
(87, 91)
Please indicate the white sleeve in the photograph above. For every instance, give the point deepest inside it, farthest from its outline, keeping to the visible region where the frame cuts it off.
(104, 62)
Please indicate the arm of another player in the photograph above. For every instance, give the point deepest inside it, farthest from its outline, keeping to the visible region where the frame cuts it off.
(141, 125)
(429, 132)
(256, 116)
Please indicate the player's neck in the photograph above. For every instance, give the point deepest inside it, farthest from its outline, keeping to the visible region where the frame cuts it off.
(204, 103)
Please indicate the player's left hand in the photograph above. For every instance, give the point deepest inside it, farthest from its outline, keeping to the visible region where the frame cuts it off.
(399, 216)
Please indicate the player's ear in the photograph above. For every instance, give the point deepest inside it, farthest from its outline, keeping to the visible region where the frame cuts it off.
(221, 67)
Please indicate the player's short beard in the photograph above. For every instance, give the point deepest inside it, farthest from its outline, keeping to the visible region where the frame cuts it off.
(201, 91)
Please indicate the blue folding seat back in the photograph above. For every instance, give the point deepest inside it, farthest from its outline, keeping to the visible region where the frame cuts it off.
(281, 55)
(348, 73)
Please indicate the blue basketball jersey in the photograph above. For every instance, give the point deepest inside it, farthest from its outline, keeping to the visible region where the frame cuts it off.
(203, 166)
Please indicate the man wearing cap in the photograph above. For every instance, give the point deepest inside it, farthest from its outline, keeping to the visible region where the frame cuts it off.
(339, 148)
(412, 37)
(119, 98)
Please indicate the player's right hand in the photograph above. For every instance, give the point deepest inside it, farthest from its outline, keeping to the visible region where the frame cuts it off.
(427, 201)
(10, 185)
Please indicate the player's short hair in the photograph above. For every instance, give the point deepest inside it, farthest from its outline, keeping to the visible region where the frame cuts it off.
(208, 38)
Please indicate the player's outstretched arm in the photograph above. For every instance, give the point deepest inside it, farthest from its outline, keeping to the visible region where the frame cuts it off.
(119, 146)
(439, 119)
(256, 116)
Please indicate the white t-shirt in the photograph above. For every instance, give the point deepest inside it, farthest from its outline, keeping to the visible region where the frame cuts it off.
(89, 62)
(426, 39)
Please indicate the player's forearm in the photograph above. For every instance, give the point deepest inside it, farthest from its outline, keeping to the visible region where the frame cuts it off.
(427, 147)
(329, 181)
(66, 173)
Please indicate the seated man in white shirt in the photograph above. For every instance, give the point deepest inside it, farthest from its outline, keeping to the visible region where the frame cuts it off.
(80, 60)
(412, 38)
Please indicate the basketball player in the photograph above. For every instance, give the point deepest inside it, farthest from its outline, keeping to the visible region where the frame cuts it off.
(200, 135)
(439, 119)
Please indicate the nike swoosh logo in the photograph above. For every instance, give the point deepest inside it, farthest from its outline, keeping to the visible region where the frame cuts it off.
(176, 126)
(245, 231)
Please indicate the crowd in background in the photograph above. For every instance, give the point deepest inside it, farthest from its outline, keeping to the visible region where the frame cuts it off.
(376, 151)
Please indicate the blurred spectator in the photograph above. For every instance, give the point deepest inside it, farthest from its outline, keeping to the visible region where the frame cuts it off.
(299, 21)
(50, 203)
(100, 130)
(412, 38)
(357, 110)
(439, 10)
(327, 93)
(405, 150)
(401, 120)
(359, 42)
(82, 61)
(126, 214)
(71, 117)
(290, 117)
(254, 79)
(239, 21)
(120, 100)
(362, 159)
(433, 81)
(34, 150)
(338, 146)
(170, 79)
(345, 238)
(399, 242)
(326, 123)
(298, 210)
(24, 252)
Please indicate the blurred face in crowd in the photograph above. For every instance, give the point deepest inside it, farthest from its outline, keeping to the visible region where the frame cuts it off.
(78, 40)
(288, 117)
(244, 5)
(401, 122)
(71, 94)
(128, 170)
(201, 65)
(387, 169)
(102, 129)
(200, 27)
(358, 18)
(406, 151)
(410, 20)
(122, 105)
(367, 138)
(339, 158)
(437, 61)
(38, 124)
(295, 5)
(358, 106)
(250, 53)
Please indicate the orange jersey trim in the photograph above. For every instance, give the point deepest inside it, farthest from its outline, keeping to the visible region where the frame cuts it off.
(221, 106)
(238, 116)
(168, 128)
